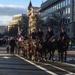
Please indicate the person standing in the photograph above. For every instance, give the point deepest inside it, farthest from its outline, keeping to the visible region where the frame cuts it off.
(12, 45)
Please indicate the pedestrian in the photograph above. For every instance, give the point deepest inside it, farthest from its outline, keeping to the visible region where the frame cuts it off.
(7, 48)
(12, 45)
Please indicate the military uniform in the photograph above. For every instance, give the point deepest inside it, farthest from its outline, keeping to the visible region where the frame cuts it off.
(64, 44)
(40, 35)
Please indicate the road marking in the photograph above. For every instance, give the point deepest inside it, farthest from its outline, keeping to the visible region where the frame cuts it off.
(59, 68)
(50, 72)
(5, 57)
(44, 69)
(66, 64)
(69, 64)
(4, 54)
(68, 74)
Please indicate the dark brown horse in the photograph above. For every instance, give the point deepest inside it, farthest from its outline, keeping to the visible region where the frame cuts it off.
(62, 47)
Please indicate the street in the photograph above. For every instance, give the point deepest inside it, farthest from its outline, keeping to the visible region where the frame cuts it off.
(37, 37)
(17, 65)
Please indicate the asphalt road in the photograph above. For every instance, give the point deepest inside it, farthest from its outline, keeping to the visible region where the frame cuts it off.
(16, 65)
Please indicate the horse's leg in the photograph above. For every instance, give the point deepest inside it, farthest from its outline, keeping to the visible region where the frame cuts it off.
(65, 55)
(59, 54)
(30, 54)
(25, 53)
(38, 56)
(46, 55)
(62, 56)
(41, 55)
(53, 55)
(50, 55)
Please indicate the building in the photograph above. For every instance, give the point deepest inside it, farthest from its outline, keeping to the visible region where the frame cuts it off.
(17, 20)
(65, 8)
(3, 29)
(32, 12)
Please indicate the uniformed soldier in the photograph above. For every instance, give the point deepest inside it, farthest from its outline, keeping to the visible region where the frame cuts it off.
(64, 43)
(49, 37)
(63, 34)
(49, 33)
(40, 34)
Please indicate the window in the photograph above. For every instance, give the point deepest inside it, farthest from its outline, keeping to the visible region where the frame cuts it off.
(65, 20)
(64, 11)
(74, 9)
(64, 4)
(53, 8)
(68, 29)
(68, 19)
(57, 6)
(68, 1)
(68, 10)
(61, 4)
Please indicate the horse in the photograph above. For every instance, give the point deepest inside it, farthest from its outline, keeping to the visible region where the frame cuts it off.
(51, 47)
(62, 46)
(48, 46)
(25, 49)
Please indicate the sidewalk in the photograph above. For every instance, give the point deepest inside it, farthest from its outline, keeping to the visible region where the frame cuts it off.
(71, 52)
(68, 52)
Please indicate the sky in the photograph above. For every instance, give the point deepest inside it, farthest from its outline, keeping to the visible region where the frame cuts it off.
(8, 8)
